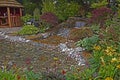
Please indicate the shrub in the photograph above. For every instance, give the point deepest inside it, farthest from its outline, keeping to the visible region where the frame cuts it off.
(99, 4)
(88, 43)
(65, 9)
(28, 30)
(44, 26)
(36, 14)
(61, 8)
(100, 15)
(104, 63)
(48, 6)
(49, 18)
(26, 18)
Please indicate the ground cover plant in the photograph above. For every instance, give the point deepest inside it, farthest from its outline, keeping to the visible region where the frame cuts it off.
(105, 60)
(28, 30)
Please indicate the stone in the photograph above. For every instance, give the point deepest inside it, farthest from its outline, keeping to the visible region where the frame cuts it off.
(79, 24)
(63, 46)
(79, 49)
(45, 35)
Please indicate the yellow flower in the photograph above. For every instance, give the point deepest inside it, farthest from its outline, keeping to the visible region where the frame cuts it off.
(114, 60)
(108, 78)
(97, 47)
(118, 66)
(55, 58)
(110, 51)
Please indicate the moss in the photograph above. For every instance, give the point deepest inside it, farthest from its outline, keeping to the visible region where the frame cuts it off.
(53, 40)
(80, 33)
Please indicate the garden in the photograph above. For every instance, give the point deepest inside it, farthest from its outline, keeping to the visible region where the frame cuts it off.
(63, 40)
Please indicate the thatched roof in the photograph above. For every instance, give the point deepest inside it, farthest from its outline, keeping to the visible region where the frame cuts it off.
(9, 3)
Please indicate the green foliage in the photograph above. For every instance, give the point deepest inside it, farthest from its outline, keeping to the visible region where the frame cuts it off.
(12, 74)
(7, 75)
(65, 9)
(88, 43)
(61, 8)
(70, 76)
(108, 70)
(36, 14)
(30, 75)
(95, 28)
(28, 7)
(104, 62)
(117, 74)
(99, 4)
(28, 30)
(44, 26)
(95, 61)
(48, 6)
(26, 18)
(53, 76)
(87, 74)
(112, 26)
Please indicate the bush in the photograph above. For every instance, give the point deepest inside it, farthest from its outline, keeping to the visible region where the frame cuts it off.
(49, 18)
(48, 6)
(28, 30)
(44, 26)
(100, 15)
(61, 8)
(88, 43)
(36, 14)
(26, 18)
(65, 9)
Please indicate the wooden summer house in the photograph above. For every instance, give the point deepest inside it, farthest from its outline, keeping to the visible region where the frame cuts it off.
(10, 13)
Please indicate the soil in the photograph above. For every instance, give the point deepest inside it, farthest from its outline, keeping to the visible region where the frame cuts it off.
(27, 55)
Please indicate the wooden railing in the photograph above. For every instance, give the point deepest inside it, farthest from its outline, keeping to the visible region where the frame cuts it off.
(3, 20)
(15, 21)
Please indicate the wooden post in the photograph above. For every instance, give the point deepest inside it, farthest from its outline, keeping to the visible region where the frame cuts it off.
(20, 12)
(9, 20)
(19, 20)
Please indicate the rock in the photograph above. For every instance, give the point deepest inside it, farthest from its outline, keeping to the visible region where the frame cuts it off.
(64, 32)
(17, 54)
(73, 53)
(79, 49)
(13, 38)
(79, 24)
(63, 47)
(45, 35)
(10, 63)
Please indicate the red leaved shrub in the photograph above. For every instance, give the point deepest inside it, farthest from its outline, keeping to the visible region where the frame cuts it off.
(50, 18)
(99, 15)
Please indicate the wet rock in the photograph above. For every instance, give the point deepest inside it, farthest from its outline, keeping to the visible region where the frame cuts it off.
(64, 32)
(13, 38)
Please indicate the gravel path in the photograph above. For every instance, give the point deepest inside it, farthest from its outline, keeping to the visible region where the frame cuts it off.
(10, 30)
